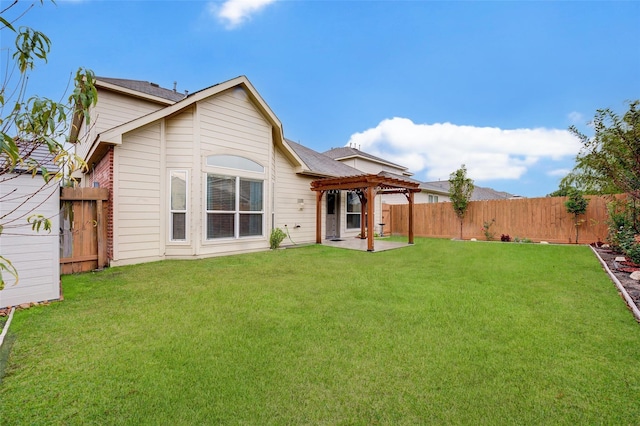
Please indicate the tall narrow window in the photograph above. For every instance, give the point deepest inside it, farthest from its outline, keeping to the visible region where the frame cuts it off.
(354, 209)
(178, 208)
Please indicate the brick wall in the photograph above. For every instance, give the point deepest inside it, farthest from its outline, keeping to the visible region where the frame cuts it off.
(103, 175)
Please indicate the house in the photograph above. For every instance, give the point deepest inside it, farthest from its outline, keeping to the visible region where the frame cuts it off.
(35, 255)
(440, 189)
(208, 173)
(430, 192)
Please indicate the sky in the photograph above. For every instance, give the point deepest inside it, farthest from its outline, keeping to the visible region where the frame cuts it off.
(430, 85)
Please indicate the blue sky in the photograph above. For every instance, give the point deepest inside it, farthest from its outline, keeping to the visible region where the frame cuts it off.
(429, 85)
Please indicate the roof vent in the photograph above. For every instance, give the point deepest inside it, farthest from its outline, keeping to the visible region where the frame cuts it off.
(175, 86)
(155, 84)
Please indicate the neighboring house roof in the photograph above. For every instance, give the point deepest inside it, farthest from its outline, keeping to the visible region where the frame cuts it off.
(33, 154)
(139, 86)
(114, 135)
(346, 152)
(320, 164)
(479, 192)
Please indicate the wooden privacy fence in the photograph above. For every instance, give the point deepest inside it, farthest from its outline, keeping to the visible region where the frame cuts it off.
(538, 219)
(83, 237)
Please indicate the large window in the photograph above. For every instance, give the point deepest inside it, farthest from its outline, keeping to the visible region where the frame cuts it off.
(354, 209)
(234, 207)
(178, 205)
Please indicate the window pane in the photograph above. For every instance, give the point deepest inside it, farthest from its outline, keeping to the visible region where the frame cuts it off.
(220, 225)
(250, 224)
(331, 203)
(353, 221)
(178, 190)
(221, 193)
(179, 226)
(353, 202)
(250, 195)
(234, 162)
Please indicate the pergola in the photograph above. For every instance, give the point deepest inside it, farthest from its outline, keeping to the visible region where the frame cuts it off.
(367, 187)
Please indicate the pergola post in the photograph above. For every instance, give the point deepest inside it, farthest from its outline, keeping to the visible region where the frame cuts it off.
(363, 210)
(410, 217)
(319, 195)
(370, 207)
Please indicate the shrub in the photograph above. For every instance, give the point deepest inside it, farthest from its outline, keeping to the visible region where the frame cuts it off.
(485, 229)
(277, 236)
(505, 237)
(624, 226)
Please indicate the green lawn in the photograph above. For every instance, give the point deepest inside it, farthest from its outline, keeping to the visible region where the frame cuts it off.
(441, 332)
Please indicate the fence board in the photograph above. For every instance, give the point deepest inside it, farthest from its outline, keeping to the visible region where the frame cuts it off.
(538, 219)
(84, 231)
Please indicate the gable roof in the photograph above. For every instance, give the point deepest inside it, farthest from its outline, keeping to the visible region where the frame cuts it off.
(479, 192)
(152, 90)
(114, 135)
(320, 164)
(346, 152)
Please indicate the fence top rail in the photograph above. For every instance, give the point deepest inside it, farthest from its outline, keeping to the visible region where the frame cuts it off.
(84, 194)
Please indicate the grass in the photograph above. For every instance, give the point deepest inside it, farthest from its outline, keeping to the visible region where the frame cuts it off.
(441, 332)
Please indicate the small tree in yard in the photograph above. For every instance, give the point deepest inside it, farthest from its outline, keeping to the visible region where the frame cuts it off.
(460, 190)
(576, 205)
(29, 126)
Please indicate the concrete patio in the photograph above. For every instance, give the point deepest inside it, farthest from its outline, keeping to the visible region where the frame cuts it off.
(361, 245)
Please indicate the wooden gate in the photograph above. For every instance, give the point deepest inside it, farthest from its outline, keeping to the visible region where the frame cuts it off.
(83, 237)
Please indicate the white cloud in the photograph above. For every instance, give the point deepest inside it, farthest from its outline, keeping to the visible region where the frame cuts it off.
(559, 172)
(575, 117)
(437, 150)
(236, 12)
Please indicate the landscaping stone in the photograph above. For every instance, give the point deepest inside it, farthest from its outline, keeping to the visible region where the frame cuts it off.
(635, 275)
(620, 259)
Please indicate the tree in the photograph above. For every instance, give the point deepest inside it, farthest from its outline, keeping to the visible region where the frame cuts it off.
(460, 190)
(609, 162)
(33, 125)
(576, 205)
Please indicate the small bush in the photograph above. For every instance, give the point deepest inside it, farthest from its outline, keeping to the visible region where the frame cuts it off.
(505, 237)
(277, 236)
(485, 229)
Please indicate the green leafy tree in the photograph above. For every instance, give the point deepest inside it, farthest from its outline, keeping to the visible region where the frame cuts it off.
(460, 191)
(609, 161)
(576, 205)
(31, 126)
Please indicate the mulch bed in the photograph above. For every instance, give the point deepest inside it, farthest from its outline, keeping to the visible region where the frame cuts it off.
(622, 271)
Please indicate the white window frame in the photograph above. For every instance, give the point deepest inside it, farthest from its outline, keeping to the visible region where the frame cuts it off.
(236, 212)
(433, 198)
(348, 213)
(173, 211)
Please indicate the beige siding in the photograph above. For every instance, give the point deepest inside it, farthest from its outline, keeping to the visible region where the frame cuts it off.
(179, 140)
(289, 188)
(34, 254)
(372, 167)
(112, 109)
(230, 123)
(137, 195)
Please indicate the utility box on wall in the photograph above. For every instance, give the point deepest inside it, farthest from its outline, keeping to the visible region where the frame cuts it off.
(35, 255)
